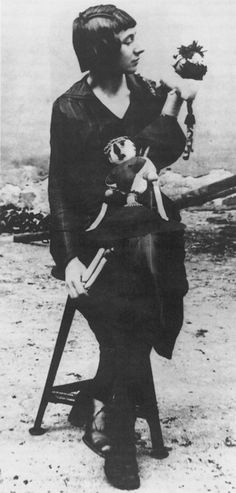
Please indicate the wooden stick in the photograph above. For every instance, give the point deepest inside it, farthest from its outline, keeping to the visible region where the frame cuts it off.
(95, 262)
(29, 237)
(207, 193)
(95, 274)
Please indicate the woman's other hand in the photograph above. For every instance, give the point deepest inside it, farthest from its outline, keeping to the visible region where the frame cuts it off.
(74, 273)
(187, 88)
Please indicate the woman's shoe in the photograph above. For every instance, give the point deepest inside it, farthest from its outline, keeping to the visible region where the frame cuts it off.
(121, 470)
(95, 435)
(161, 453)
(81, 410)
(97, 442)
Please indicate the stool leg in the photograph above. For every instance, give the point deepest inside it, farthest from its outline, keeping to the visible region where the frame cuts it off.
(151, 413)
(65, 326)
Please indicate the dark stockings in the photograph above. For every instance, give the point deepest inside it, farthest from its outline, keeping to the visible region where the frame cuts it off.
(123, 381)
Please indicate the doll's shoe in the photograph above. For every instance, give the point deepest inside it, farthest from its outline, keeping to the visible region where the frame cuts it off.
(121, 470)
(95, 435)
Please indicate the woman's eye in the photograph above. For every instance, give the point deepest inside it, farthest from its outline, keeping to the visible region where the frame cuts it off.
(129, 40)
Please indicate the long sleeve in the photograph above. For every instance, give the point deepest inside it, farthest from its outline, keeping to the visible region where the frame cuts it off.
(165, 138)
(64, 219)
(163, 134)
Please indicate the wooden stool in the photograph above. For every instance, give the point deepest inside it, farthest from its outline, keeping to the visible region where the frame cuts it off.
(66, 394)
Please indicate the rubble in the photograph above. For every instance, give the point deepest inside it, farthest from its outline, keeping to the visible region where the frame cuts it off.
(10, 194)
(174, 184)
(33, 196)
(30, 202)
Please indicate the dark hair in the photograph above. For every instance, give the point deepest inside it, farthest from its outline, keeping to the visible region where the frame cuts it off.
(94, 40)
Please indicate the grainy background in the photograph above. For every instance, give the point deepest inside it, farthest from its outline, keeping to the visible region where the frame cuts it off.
(196, 390)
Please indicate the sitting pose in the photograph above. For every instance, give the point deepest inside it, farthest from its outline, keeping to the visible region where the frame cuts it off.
(136, 303)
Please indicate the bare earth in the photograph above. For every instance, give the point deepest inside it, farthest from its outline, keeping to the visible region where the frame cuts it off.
(195, 391)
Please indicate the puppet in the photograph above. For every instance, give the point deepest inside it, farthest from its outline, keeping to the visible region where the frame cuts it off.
(131, 174)
(189, 64)
(130, 177)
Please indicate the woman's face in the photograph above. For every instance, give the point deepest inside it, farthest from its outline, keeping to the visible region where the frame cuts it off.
(130, 51)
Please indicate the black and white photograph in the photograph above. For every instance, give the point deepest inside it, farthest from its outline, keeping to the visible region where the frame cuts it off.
(118, 246)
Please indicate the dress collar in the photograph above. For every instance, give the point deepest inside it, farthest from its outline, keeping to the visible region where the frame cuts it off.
(82, 89)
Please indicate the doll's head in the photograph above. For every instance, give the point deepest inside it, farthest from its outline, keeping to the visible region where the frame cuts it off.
(119, 150)
(189, 61)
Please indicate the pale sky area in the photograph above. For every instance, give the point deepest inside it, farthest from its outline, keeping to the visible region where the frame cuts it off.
(38, 64)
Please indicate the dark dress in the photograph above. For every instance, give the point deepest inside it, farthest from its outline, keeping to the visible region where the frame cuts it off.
(139, 294)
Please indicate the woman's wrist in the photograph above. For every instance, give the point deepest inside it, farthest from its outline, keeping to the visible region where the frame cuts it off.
(172, 104)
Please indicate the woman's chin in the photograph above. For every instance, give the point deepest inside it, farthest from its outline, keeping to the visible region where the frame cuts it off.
(132, 70)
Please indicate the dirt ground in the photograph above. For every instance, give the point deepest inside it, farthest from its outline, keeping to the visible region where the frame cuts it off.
(195, 391)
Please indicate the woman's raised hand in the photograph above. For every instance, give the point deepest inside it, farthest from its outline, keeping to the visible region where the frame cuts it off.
(187, 88)
(74, 273)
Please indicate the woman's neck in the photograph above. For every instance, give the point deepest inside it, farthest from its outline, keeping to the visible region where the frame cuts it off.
(112, 91)
(109, 84)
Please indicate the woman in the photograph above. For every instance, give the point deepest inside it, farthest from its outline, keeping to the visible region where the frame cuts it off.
(136, 303)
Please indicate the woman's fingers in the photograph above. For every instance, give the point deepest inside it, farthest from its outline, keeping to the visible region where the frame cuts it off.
(71, 291)
(75, 288)
(78, 286)
(73, 275)
(187, 88)
(170, 79)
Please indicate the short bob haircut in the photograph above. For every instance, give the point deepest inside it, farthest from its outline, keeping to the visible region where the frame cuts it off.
(94, 40)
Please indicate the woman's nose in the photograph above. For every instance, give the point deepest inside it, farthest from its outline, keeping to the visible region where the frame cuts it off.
(138, 49)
